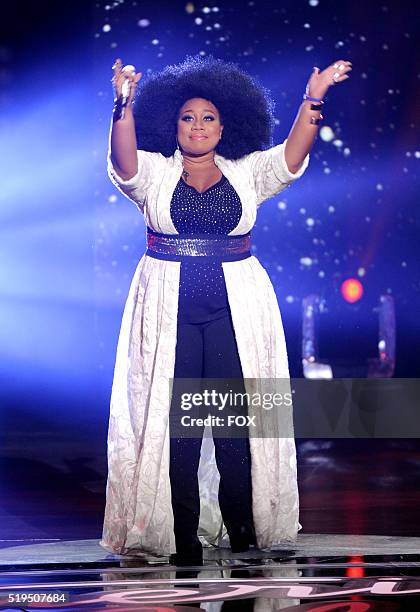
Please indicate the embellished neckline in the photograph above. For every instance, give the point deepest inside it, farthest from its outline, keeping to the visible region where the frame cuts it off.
(222, 178)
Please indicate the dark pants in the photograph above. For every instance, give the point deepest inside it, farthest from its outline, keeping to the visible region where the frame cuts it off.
(208, 350)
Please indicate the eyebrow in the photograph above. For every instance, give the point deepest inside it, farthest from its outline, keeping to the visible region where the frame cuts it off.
(190, 110)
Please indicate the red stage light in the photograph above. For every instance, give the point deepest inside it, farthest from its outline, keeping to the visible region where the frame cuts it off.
(352, 290)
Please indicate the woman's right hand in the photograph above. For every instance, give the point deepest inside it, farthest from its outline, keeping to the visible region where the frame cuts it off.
(120, 77)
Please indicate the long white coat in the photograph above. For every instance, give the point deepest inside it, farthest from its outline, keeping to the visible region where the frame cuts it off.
(138, 513)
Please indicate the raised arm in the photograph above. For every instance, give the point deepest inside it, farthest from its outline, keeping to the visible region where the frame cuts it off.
(305, 126)
(122, 137)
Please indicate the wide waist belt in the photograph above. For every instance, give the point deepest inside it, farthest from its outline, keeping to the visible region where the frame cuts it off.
(178, 247)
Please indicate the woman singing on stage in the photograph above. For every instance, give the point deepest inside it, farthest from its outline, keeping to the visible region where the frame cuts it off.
(195, 154)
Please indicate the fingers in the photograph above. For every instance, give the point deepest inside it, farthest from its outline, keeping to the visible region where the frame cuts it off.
(117, 65)
(132, 85)
(118, 78)
(121, 76)
(339, 69)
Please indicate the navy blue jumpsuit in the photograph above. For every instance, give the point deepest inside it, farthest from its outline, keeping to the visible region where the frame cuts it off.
(206, 348)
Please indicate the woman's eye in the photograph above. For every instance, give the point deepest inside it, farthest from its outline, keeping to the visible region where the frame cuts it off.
(186, 117)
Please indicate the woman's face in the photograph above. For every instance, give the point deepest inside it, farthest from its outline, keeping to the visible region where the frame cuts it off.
(198, 127)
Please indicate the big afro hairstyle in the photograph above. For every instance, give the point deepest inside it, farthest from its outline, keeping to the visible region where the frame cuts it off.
(245, 106)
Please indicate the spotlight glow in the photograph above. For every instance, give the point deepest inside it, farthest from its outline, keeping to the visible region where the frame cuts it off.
(352, 290)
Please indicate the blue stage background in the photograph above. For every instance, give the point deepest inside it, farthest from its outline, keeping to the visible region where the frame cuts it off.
(70, 242)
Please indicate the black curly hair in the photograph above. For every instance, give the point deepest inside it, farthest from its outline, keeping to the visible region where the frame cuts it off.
(245, 106)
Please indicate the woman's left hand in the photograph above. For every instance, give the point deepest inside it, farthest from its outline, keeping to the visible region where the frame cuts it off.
(319, 82)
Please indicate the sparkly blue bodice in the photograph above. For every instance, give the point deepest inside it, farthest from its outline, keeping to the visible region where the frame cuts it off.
(202, 291)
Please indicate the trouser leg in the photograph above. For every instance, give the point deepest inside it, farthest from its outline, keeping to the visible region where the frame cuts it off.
(185, 451)
(233, 458)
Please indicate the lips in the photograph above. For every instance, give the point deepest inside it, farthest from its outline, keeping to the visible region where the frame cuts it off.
(201, 137)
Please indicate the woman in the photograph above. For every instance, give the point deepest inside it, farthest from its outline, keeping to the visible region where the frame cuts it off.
(195, 157)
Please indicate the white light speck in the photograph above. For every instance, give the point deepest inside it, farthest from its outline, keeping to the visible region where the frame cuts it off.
(206, 9)
(279, 268)
(276, 121)
(404, 264)
(302, 211)
(202, 52)
(361, 272)
(326, 133)
(381, 345)
(282, 205)
(362, 38)
(331, 209)
(306, 261)
(143, 23)
(198, 21)
(290, 299)
(321, 273)
(313, 2)
(112, 198)
(217, 26)
(106, 28)
(208, 28)
(327, 170)
(310, 222)
(346, 151)
(306, 25)
(337, 143)
(309, 48)
(155, 41)
(215, 9)
(339, 43)
(379, 187)
(417, 154)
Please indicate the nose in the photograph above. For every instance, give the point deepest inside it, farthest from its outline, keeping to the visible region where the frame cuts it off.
(197, 125)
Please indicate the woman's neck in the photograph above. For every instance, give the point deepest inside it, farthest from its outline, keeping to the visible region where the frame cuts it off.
(198, 163)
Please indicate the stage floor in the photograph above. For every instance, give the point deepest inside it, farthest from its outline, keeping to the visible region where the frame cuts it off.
(367, 572)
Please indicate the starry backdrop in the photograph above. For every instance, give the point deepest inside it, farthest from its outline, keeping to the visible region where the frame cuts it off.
(352, 215)
(69, 242)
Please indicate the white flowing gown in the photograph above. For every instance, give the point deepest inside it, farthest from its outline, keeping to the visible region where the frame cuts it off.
(138, 513)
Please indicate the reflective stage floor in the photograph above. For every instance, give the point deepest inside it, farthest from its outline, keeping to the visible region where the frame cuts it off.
(319, 572)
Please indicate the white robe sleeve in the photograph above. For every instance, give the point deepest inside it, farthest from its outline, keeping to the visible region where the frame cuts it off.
(136, 188)
(270, 172)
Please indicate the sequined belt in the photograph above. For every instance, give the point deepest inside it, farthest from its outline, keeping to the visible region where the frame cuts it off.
(180, 247)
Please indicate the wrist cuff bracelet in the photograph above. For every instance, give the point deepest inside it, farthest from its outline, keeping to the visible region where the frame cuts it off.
(306, 97)
(118, 111)
(315, 120)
